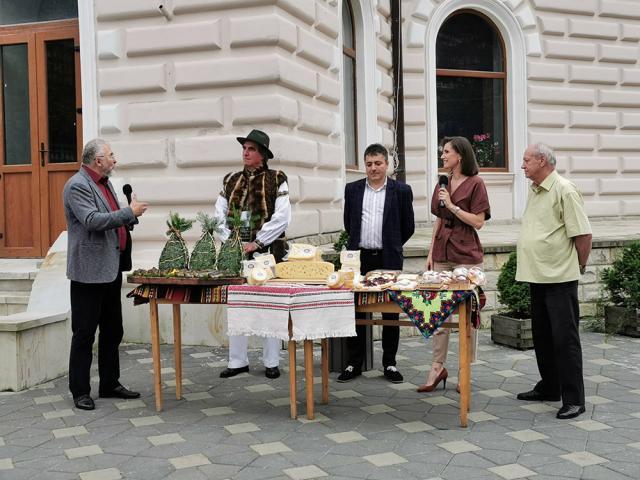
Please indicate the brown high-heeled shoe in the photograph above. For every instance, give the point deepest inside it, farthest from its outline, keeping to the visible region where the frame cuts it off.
(442, 376)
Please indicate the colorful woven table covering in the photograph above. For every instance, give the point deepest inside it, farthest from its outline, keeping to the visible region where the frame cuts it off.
(183, 294)
(429, 309)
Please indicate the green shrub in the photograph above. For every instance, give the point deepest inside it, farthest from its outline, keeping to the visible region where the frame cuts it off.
(341, 242)
(515, 296)
(622, 280)
(594, 324)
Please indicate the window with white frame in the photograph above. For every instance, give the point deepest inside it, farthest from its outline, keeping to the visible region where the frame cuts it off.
(471, 83)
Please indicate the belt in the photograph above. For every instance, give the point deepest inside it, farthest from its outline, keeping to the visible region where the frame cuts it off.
(372, 252)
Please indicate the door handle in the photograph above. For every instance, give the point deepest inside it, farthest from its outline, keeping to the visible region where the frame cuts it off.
(42, 152)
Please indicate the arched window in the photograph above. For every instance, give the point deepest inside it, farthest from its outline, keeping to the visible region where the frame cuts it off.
(471, 86)
(349, 93)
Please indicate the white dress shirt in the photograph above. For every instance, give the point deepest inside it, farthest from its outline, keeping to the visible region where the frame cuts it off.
(372, 213)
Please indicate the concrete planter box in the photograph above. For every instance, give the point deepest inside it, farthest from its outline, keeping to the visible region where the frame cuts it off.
(621, 320)
(34, 345)
(34, 348)
(512, 332)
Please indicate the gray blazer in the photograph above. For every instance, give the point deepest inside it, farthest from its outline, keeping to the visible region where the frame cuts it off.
(93, 249)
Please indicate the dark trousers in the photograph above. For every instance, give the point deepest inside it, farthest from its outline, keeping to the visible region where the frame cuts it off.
(555, 319)
(370, 260)
(95, 305)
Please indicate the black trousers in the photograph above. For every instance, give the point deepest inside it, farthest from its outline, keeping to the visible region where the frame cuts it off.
(370, 260)
(95, 305)
(556, 339)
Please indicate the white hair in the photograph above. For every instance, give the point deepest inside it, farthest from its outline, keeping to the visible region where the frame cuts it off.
(542, 150)
(92, 149)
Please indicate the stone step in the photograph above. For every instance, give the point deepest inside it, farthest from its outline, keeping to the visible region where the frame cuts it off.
(13, 302)
(16, 285)
(17, 275)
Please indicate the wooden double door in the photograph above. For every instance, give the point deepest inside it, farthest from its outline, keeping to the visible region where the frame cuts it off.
(40, 132)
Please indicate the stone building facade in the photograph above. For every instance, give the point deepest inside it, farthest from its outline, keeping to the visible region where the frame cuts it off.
(173, 92)
(172, 87)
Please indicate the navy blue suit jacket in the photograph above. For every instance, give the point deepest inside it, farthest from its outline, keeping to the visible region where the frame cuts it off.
(397, 224)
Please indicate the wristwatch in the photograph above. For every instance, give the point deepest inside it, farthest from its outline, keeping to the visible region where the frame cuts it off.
(456, 210)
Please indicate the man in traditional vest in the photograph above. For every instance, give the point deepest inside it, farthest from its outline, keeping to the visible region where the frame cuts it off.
(263, 194)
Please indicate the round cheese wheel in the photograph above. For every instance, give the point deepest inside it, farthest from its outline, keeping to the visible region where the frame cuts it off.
(335, 280)
(258, 276)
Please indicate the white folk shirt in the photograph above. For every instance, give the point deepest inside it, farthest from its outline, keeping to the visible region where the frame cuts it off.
(372, 213)
(270, 230)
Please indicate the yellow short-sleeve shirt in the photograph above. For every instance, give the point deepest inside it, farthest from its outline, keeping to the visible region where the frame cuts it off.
(553, 216)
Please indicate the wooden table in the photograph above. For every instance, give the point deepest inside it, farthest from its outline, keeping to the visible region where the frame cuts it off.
(463, 310)
(177, 351)
(156, 282)
(464, 344)
(308, 372)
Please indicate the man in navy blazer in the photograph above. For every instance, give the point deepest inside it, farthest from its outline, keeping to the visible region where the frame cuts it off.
(378, 216)
(99, 249)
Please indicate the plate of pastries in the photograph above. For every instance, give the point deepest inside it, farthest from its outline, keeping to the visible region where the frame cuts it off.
(461, 278)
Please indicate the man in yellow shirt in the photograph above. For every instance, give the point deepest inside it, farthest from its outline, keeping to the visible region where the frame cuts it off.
(553, 248)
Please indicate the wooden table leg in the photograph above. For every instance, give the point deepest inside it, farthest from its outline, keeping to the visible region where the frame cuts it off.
(465, 361)
(292, 379)
(155, 352)
(177, 349)
(324, 366)
(308, 373)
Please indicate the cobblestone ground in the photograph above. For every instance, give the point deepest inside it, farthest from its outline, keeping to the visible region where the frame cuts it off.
(240, 428)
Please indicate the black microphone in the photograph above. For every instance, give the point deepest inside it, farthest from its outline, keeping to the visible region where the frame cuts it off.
(443, 181)
(127, 190)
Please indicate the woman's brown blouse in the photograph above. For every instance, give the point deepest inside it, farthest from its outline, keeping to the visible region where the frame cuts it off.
(455, 241)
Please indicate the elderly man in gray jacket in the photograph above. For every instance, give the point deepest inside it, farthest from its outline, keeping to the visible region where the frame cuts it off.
(99, 249)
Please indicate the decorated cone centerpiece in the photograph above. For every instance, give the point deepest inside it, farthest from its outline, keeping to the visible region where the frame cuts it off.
(232, 253)
(203, 256)
(175, 254)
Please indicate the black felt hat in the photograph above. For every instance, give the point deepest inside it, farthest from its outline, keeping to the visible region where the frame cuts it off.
(259, 137)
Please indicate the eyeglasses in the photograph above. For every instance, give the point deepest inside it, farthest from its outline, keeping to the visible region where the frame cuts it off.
(111, 156)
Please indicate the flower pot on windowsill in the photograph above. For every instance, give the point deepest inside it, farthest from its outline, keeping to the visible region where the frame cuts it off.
(622, 320)
(512, 332)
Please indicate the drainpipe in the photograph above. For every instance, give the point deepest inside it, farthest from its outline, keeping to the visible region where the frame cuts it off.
(398, 85)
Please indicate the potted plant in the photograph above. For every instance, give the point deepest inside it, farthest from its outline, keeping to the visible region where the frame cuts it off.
(512, 327)
(621, 284)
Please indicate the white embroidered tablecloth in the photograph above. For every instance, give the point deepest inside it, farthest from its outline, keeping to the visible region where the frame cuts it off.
(316, 312)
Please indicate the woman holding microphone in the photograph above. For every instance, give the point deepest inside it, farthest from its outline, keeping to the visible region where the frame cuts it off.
(461, 208)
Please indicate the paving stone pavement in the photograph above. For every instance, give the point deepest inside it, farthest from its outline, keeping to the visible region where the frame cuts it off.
(240, 428)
